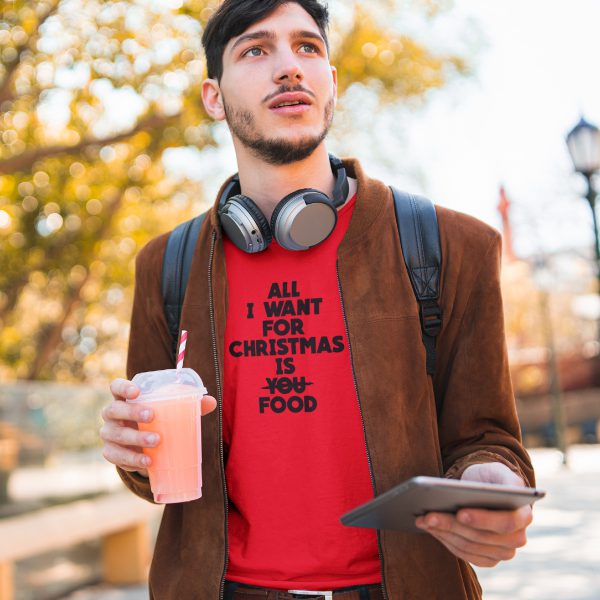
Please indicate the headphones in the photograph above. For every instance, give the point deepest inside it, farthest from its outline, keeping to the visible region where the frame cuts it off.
(300, 221)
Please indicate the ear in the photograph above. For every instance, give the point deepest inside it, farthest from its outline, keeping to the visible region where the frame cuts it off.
(335, 87)
(212, 99)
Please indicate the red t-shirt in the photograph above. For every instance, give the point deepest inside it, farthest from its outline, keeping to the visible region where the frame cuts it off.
(291, 423)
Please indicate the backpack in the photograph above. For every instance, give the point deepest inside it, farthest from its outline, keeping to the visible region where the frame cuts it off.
(419, 235)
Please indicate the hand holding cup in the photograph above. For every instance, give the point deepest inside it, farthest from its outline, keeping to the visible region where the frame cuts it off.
(123, 440)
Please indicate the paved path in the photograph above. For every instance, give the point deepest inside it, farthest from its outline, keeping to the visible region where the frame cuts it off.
(561, 560)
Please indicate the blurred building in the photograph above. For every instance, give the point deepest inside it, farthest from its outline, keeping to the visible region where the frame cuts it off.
(536, 309)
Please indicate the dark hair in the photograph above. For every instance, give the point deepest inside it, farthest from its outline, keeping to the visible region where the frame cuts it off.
(233, 17)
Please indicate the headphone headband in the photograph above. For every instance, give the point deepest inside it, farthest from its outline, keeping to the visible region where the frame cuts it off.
(340, 190)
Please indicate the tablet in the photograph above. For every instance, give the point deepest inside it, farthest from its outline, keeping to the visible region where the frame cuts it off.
(397, 508)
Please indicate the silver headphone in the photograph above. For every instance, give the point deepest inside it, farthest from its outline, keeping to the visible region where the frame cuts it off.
(300, 221)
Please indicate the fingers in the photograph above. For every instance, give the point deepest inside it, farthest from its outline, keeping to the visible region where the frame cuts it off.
(123, 440)
(122, 446)
(122, 389)
(478, 560)
(511, 539)
(125, 458)
(451, 523)
(122, 411)
(125, 436)
(496, 540)
(468, 545)
(207, 405)
(496, 521)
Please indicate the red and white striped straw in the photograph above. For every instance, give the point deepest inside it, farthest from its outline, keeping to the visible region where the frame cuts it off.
(181, 355)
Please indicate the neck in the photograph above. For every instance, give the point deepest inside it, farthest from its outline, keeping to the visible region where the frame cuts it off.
(312, 172)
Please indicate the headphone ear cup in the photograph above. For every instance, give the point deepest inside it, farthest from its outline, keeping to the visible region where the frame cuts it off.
(245, 224)
(259, 218)
(303, 219)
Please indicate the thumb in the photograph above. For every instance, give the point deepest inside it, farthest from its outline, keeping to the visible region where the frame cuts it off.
(493, 472)
(208, 404)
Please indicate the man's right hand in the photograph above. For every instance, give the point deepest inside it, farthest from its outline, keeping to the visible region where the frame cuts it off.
(123, 442)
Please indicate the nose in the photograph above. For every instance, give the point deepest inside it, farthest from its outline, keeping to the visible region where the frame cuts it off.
(288, 70)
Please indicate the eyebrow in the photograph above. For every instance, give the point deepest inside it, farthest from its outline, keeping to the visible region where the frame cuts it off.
(256, 35)
(270, 35)
(308, 34)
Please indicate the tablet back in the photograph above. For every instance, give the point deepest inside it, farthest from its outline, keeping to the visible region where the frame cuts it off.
(398, 507)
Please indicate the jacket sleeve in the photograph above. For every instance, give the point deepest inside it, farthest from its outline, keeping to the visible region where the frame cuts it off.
(478, 422)
(149, 339)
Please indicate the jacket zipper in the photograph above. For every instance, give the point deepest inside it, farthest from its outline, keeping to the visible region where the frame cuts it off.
(337, 269)
(220, 403)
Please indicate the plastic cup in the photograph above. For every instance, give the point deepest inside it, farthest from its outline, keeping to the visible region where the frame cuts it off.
(174, 396)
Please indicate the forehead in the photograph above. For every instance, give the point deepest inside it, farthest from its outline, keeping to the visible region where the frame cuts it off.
(284, 20)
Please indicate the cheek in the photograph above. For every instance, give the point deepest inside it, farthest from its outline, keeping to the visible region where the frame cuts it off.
(327, 85)
(236, 87)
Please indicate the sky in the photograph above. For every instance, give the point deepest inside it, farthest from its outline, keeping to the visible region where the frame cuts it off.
(536, 72)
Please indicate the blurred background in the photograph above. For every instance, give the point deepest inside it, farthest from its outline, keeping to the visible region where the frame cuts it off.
(104, 144)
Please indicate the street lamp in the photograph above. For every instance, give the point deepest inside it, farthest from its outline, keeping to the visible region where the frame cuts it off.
(583, 142)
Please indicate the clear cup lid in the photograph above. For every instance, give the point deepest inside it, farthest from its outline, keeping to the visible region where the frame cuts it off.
(168, 383)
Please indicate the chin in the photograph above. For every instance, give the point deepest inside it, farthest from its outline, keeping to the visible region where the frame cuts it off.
(294, 137)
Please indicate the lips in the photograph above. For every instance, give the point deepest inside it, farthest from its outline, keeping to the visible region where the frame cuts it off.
(289, 100)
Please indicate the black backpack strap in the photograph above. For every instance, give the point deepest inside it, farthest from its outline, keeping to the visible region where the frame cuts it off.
(177, 261)
(420, 239)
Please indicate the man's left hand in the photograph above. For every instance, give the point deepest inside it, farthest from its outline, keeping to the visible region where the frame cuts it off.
(482, 537)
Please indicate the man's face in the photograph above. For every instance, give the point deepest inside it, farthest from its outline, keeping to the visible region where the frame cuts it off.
(278, 89)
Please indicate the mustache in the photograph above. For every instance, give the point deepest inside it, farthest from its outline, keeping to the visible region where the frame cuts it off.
(285, 89)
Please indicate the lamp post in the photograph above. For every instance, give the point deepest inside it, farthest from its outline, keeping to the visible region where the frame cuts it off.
(583, 142)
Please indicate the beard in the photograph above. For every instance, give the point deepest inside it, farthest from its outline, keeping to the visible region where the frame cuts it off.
(275, 151)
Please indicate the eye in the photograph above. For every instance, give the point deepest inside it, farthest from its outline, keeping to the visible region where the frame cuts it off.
(311, 48)
(254, 51)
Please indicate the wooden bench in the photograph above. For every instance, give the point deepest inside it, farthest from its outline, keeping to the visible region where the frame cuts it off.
(121, 520)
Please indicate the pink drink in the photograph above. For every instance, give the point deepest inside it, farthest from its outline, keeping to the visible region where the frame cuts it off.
(176, 469)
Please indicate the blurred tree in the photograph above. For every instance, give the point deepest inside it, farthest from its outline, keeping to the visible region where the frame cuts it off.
(92, 93)
(526, 322)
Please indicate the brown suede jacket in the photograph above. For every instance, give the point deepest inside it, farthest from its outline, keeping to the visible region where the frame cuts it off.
(396, 396)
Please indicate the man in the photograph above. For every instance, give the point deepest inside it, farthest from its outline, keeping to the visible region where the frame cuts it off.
(315, 357)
